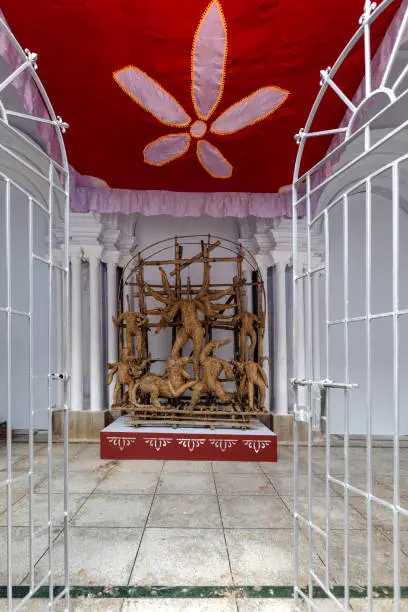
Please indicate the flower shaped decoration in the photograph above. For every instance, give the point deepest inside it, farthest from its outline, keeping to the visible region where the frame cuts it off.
(208, 60)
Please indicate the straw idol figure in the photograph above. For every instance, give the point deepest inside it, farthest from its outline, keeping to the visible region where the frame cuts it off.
(212, 369)
(134, 322)
(251, 375)
(191, 328)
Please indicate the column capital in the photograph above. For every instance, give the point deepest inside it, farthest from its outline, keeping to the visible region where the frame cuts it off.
(281, 258)
(93, 251)
(85, 228)
(111, 256)
(75, 251)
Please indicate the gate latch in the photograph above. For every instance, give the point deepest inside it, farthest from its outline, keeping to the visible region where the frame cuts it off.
(59, 376)
(303, 413)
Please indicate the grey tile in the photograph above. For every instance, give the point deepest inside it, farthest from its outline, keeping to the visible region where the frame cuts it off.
(185, 511)
(97, 556)
(265, 605)
(336, 512)
(189, 483)
(143, 483)
(114, 511)
(382, 558)
(236, 467)
(244, 484)
(180, 605)
(283, 484)
(100, 605)
(171, 467)
(240, 511)
(171, 557)
(20, 552)
(78, 482)
(263, 556)
(21, 510)
(139, 465)
(85, 463)
(283, 466)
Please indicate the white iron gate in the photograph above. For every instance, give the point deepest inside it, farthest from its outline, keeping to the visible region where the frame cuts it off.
(350, 244)
(34, 339)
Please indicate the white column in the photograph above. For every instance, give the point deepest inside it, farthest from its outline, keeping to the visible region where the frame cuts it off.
(76, 330)
(112, 299)
(280, 357)
(264, 260)
(94, 257)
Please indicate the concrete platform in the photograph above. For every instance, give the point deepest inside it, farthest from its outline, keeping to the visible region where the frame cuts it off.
(121, 441)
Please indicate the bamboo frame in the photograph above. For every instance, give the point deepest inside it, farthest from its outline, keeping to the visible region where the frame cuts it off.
(192, 311)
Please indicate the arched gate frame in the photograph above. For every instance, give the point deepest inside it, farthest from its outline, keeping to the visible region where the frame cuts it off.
(350, 332)
(34, 338)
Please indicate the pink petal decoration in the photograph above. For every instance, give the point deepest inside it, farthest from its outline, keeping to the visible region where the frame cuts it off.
(166, 148)
(208, 59)
(249, 110)
(151, 96)
(213, 161)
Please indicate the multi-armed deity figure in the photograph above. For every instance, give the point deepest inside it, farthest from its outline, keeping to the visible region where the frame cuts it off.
(188, 307)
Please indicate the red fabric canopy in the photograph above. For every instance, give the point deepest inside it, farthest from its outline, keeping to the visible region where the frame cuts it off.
(273, 47)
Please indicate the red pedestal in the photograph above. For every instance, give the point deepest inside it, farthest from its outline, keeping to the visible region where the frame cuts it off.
(120, 441)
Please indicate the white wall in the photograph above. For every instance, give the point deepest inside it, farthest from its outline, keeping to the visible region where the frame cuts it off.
(381, 302)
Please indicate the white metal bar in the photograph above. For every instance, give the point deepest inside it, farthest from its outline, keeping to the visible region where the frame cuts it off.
(54, 122)
(325, 77)
(9, 403)
(327, 399)
(42, 260)
(367, 48)
(295, 425)
(310, 524)
(368, 396)
(13, 311)
(50, 369)
(357, 159)
(15, 73)
(394, 51)
(32, 592)
(308, 373)
(67, 387)
(328, 592)
(31, 392)
(401, 77)
(395, 330)
(354, 39)
(346, 399)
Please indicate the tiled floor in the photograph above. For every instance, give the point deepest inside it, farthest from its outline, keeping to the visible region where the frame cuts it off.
(199, 524)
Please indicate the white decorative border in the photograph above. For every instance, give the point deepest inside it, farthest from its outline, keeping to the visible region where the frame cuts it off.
(257, 445)
(158, 443)
(223, 445)
(191, 443)
(120, 441)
